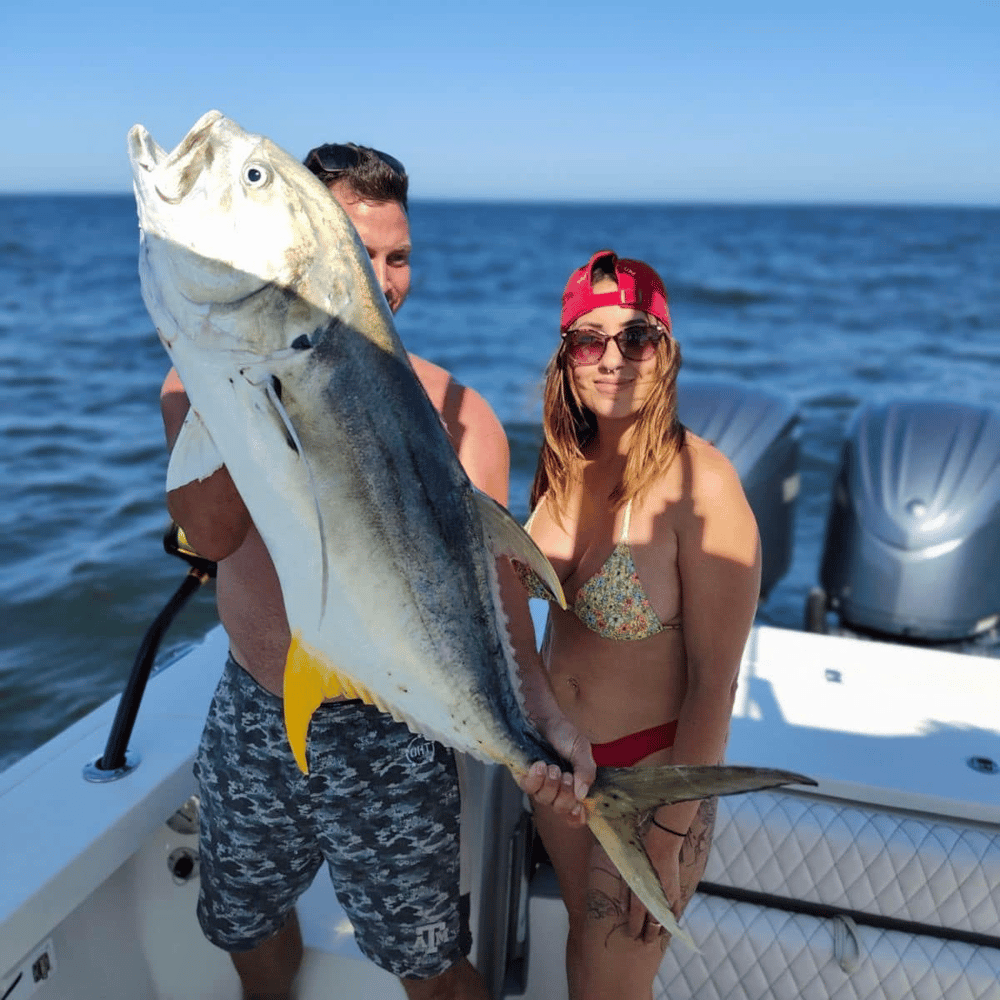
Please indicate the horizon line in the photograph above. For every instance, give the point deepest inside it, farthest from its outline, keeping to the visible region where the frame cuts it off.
(734, 202)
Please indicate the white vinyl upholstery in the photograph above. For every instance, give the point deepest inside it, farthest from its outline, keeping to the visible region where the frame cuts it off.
(751, 953)
(905, 866)
(910, 867)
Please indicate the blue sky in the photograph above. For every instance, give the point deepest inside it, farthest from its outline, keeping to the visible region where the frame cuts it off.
(712, 101)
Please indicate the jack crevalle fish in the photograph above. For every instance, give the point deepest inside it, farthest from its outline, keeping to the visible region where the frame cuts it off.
(267, 304)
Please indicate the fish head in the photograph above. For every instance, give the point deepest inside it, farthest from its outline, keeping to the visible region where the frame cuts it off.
(232, 225)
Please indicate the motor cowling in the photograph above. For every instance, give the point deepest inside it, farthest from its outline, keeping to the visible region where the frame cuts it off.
(758, 432)
(912, 546)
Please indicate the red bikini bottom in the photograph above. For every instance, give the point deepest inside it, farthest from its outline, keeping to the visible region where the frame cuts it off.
(631, 749)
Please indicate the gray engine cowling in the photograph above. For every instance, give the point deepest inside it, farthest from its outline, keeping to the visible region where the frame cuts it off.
(758, 432)
(912, 544)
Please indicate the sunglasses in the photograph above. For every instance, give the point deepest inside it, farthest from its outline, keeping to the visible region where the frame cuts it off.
(335, 156)
(636, 343)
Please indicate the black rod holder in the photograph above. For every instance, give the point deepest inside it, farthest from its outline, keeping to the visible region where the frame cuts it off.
(114, 762)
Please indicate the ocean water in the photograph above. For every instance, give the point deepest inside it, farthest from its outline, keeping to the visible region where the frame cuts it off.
(829, 306)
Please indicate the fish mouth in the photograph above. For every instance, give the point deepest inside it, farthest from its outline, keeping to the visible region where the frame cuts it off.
(176, 173)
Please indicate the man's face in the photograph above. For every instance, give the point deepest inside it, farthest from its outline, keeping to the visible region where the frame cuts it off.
(385, 231)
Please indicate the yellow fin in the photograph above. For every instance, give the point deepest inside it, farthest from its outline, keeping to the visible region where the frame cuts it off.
(308, 681)
(310, 678)
(355, 690)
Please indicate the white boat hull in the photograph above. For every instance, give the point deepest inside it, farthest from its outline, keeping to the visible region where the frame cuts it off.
(95, 888)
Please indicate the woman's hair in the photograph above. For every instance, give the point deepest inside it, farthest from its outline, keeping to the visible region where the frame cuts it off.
(569, 426)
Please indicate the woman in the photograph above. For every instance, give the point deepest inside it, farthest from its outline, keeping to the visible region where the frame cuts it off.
(651, 534)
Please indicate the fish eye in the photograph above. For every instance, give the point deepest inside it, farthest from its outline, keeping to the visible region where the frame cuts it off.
(256, 175)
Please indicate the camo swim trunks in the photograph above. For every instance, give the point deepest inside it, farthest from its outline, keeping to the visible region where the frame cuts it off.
(380, 805)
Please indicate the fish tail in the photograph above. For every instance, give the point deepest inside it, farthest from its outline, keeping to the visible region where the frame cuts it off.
(622, 800)
(621, 838)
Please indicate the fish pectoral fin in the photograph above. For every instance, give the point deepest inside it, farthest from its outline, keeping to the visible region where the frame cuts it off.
(507, 538)
(194, 455)
(621, 837)
(309, 680)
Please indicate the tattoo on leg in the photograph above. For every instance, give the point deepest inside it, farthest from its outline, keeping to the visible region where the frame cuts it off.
(604, 902)
(699, 837)
(603, 905)
(600, 905)
(694, 850)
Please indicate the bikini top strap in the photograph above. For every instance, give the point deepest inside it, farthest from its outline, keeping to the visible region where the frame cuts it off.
(626, 521)
(531, 516)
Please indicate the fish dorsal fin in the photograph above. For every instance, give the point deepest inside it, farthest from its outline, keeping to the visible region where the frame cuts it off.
(507, 538)
(194, 455)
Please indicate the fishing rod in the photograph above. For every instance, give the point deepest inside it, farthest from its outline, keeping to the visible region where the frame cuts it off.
(117, 760)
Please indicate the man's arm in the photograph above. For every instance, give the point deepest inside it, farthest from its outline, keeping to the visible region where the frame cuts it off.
(211, 511)
(483, 448)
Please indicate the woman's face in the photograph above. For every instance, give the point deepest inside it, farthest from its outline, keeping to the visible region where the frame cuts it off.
(613, 387)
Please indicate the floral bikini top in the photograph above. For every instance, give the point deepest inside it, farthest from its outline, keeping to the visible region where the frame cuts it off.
(612, 602)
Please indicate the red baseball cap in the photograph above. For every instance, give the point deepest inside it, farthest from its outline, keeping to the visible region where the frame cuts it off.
(639, 287)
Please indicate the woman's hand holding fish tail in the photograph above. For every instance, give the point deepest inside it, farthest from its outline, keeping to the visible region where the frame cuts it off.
(546, 784)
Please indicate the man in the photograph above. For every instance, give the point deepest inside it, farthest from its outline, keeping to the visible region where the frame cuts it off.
(258, 854)
(372, 189)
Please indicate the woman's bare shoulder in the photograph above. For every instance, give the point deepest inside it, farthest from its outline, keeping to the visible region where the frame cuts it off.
(709, 473)
(699, 474)
(717, 513)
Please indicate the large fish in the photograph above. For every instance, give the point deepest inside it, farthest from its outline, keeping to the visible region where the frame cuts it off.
(266, 302)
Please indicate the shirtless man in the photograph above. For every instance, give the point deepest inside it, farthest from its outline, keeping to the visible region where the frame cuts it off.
(256, 858)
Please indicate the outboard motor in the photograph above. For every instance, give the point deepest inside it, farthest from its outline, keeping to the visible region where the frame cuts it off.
(913, 538)
(758, 432)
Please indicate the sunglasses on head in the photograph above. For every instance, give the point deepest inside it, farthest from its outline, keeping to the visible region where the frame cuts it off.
(636, 343)
(334, 156)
